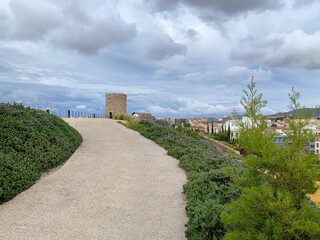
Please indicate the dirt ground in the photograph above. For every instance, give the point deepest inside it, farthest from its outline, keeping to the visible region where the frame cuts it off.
(316, 197)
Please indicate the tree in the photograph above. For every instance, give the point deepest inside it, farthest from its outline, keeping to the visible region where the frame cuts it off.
(252, 103)
(228, 134)
(275, 180)
(187, 125)
(212, 129)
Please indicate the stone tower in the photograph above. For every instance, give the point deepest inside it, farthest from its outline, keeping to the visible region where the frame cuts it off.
(234, 114)
(115, 103)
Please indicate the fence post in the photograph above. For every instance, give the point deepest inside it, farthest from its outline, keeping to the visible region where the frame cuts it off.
(68, 113)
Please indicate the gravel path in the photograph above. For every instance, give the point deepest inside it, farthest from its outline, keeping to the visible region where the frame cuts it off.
(117, 185)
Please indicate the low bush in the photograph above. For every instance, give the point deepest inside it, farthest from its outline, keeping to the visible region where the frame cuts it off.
(31, 142)
(208, 189)
(125, 117)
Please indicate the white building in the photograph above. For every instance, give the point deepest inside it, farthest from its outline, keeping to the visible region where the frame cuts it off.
(234, 126)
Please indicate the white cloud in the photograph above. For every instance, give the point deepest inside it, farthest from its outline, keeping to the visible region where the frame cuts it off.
(236, 71)
(267, 111)
(197, 77)
(294, 50)
(299, 50)
(195, 107)
(189, 107)
(193, 77)
(161, 73)
(300, 3)
(261, 75)
(160, 110)
(81, 107)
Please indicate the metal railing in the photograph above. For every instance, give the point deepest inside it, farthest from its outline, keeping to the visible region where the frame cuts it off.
(74, 114)
(77, 114)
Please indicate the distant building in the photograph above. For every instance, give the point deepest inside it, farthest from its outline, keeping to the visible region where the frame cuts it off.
(199, 124)
(116, 103)
(234, 126)
(234, 114)
(279, 138)
(144, 116)
(317, 142)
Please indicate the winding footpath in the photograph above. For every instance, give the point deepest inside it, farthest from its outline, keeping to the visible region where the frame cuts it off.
(117, 185)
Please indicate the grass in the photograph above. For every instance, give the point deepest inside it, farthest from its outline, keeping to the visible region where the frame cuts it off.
(31, 142)
(208, 189)
(124, 116)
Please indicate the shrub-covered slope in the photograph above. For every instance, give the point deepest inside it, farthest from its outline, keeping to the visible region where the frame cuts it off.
(208, 188)
(31, 142)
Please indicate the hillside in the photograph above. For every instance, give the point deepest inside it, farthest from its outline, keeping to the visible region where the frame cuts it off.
(293, 112)
(31, 142)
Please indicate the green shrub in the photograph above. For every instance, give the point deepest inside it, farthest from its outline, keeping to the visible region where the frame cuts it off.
(31, 142)
(125, 117)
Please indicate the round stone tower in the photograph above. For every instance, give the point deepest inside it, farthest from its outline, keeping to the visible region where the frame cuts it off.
(115, 103)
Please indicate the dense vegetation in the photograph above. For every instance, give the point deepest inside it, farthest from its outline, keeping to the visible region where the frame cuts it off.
(208, 188)
(276, 180)
(31, 142)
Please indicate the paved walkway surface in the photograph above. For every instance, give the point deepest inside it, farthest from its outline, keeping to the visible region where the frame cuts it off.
(117, 185)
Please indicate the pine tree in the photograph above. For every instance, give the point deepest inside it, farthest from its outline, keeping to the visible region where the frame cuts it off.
(228, 134)
(275, 180)
(212, 128)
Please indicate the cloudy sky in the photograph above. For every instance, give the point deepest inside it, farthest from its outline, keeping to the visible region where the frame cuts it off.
(174, 58)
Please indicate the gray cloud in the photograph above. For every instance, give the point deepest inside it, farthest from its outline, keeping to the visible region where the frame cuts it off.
(251, 48)
(90, 37)
(32, 21)
(217, 10)
(294, 50)
(163, 48)
(78, 29)
(163, 5)
(231, 7)
(192, 34)
(3, 24)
